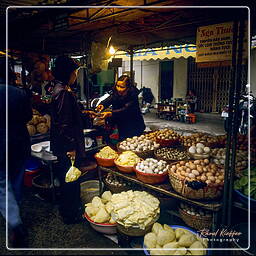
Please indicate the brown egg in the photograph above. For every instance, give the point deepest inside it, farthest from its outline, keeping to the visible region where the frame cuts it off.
(188, 170)
(203, 178)
(174, 168)
(206, 161)
(221, 177)
(192, 166)
(197, 162)
(204, 169)
(182, 163)
(217, 181)
(199, 168)
(183, 173)
(208, 182)
(213, 166)
(184, 168)
(177, 165)
(211, 178)
(208, 174)
(187, 164)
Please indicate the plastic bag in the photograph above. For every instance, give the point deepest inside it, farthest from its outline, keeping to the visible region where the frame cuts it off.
(73, 173)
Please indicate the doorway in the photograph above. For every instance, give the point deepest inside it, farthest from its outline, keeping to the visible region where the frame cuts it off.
(166, 80)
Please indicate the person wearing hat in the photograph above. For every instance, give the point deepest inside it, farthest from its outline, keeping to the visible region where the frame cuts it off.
(66, 135)
(125, 112)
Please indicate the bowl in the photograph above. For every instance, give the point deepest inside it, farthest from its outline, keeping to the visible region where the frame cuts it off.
(244, 199)
(104, 161)
(167, 143)
(105, 228)
(124, 168)
(151, 178)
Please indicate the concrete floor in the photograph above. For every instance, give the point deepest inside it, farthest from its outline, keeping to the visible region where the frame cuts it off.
(206, 122)
(45, 226)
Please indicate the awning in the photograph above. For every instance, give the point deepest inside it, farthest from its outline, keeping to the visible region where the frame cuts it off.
(169, 52)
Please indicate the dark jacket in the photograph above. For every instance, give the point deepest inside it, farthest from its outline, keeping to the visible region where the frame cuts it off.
(19, 113)
(126, 113)
(66, 123)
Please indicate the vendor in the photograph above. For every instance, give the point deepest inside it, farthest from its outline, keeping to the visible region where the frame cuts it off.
(126, 114)
(191, 99)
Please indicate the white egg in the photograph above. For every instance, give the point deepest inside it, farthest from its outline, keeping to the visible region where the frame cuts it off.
(207, 149)
(200, 145)
(192, 150)
(199, 150)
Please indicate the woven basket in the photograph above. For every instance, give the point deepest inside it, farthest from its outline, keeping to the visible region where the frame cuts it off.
(199, 156)
(168, 143)
(115, 189)
(196, 222)
(167, 160)
(141, 154)
(208, 192)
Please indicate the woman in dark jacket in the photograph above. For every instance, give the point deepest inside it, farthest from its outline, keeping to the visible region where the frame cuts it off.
(126, 112)
(67, 140)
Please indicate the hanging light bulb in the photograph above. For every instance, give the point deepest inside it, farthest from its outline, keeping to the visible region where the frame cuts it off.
(112, 50)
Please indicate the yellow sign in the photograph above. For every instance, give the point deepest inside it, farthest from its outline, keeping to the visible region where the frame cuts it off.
(214, 43)
(168, 52)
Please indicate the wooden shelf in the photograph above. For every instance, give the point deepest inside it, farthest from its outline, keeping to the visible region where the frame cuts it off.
(165, 189)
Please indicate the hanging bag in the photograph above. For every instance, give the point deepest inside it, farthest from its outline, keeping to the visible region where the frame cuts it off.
(73, 173)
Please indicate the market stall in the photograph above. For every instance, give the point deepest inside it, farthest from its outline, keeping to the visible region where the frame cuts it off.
(139, 175)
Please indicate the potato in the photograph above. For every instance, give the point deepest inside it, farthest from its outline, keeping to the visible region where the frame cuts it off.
(187, 240)
(197, 245)
(150, 240)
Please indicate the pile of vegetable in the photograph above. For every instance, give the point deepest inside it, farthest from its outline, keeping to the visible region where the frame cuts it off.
(151, 165)
(99, 210)
(219, 156)
(167, 134)
(195, 210)
(107, 153)
(151, 135)
(116, 181)
(192, 140)
(164, 236)
(38, 123)
(242, 183)
(199, 148)
(135, 208)
(171, 154)
(199, 170)
(127, 158)
(138, 144)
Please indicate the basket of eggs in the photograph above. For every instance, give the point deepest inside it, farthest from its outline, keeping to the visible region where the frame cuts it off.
(152, 171)
(126, 161)
(199, 151)
(141, 146)
(197, 179)
(167, 138)
(106, 157)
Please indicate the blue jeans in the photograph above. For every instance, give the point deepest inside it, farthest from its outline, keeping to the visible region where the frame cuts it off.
(15, 184)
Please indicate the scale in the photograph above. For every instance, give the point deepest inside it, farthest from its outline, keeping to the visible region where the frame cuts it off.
(90, 138)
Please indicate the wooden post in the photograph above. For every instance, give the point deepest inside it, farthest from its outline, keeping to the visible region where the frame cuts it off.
(131, 65)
